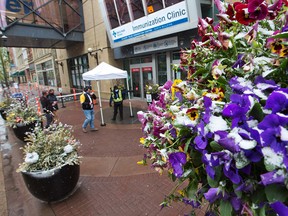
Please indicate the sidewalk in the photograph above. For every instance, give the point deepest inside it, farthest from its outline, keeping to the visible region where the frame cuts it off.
(110, 184)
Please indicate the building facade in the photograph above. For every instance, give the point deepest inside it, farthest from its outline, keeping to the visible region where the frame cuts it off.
(143, 37)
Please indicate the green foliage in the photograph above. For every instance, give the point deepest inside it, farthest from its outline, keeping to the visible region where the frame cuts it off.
(22, 113)
(49, 148)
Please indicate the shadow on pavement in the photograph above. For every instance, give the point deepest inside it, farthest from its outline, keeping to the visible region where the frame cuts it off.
(108, 114)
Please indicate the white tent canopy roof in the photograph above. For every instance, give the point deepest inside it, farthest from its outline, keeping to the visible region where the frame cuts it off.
(105, 71)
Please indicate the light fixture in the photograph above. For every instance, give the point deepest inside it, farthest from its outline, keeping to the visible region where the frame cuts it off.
(59, 62)
(94, 53)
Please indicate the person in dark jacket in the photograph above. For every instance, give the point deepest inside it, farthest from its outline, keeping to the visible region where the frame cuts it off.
(86, 99)
(118, 103)
(53, 100)
(47, 108)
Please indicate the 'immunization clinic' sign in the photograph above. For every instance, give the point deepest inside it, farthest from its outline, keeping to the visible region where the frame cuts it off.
(168, 17)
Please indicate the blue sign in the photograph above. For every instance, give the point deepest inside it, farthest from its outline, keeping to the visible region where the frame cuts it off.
(16, 7)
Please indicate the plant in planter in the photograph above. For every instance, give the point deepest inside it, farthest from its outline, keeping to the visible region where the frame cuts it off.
(51, 162)
(22, 118)
(152, 91)
(4, 106)
(222, 134)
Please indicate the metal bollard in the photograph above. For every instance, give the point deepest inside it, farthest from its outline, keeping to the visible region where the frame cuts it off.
(62, 101)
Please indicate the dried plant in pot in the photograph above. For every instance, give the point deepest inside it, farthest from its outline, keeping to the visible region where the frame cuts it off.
(51, 163)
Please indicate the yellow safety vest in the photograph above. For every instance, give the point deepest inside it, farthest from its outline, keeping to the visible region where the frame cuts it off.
(119, 98)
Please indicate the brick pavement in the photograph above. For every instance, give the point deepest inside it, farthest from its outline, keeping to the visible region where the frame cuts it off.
(110, 184)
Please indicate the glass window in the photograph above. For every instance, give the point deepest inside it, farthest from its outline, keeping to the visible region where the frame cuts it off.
(154, 5)
(123, 11)
(112, 14)
(137, 9)
(135, 61)
(77, 66)
(171, 2)
(176, 56)
(146, 59)
(162, 69)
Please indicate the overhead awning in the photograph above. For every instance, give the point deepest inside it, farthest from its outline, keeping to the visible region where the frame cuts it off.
(18, 73)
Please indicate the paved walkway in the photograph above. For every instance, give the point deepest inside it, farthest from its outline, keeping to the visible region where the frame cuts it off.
(110, 184)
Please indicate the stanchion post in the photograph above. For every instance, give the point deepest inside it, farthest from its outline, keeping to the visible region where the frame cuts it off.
(62, 100)
(74, 92)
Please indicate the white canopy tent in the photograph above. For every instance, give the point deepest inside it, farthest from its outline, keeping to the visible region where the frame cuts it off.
(105, 71)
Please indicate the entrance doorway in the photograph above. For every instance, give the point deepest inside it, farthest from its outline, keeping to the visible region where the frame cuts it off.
(142, 75)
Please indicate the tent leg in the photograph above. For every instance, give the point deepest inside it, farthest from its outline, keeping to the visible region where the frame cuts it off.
(100, 105)
(129, 97)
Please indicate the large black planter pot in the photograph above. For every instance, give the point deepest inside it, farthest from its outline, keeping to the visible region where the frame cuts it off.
(3, 114)
(53, 185)
(20, 130)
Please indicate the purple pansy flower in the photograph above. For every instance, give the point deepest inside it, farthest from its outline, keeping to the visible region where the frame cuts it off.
(239, 63)
(177, 160)
(277, 101)
(213, 194)
(273, 177)
(193, 203)
(279, 208)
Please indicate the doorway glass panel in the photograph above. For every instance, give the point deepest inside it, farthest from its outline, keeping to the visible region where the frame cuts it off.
(147, 77)
(162, 69)
(136, 82)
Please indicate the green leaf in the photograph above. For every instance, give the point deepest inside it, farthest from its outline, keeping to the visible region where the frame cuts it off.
(215, 182)
(192, 189)
(262, 211)
(258, 196)
(257, 112)
(215, 146)
(201, 71)
(222, 80)
(276, 192)
(212, 182)
(281, 35)
(225, 208)
(187, 144)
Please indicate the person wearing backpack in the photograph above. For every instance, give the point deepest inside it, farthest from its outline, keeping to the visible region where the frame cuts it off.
(86, 99)
(118, 103)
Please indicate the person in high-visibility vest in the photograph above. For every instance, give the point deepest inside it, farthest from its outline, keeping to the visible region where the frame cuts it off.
(118, 103)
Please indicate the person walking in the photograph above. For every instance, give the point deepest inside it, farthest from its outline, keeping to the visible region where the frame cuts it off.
(86, 99)
(53, 100)
(118, 103)
(47, 108)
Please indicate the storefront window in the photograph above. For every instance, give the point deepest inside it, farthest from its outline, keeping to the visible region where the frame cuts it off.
(146, 59)
(169, 3)
(179, 73)
(154, 5)
(77, 66)
(45, 73)
(162, 69)
(123, 11)
(112, 14)
(135, 61)
(137, 9)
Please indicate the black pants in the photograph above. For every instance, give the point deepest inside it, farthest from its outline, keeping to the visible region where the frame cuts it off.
(118, 105)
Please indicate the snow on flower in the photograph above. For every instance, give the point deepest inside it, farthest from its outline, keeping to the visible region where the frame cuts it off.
(68, 149)
(217, 123)
(31, 158)
(272, 158)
